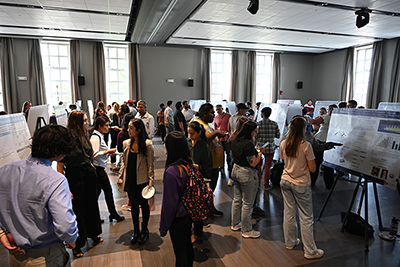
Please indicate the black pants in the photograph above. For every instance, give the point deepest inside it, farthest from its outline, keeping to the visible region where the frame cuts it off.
(214, 178)
(114, 136)
(136, 199)
(180, 233)
(104, 184)
(162, 131)
(329, 177)
(228, 158)
(319, 157)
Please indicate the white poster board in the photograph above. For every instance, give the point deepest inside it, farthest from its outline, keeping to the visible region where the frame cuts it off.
(196, 104)
(371, 144)
(231, 105)
(91, 111)
(389, 106)
(325, 104)
(78, 105)
(14, 138)
(36, 112)
(61, 115)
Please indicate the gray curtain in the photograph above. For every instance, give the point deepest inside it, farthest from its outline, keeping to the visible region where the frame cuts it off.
(394, 94)
(251, 77)
(99, 73)
(134, 72)
(276, 77)
(75, 70)
(235, 75)
(206, 72)
(373, 97)
(348, 76)
(9, 77)
(35, 75)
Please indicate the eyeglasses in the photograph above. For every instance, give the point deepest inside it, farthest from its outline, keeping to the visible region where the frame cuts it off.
(107, 125)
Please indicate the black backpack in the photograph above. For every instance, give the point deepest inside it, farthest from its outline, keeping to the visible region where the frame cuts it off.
(355, 225)
(276, 173)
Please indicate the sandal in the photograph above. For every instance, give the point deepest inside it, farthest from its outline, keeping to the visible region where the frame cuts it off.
(77, 252)
(97, 240)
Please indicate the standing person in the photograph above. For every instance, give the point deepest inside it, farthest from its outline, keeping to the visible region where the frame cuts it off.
(257, 118)
(174, 217)
(187, 112)
(221, 123)
(206, 116)
(202, 160)
(25, 108)
(136, 173)
(132, 107)
(161, 121)
(169, 117)
(36, 225)
(244, 174)
(296, 191)
(250, 111)
(82, 180)
(179, 119)
(351, 104)
(267, 131)
(147, 118)
(309, 106)
(241, 111)
(115, 128)
(101, 153)
(321, 136)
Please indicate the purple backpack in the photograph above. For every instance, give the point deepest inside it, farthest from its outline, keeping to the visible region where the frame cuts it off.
(198, 198)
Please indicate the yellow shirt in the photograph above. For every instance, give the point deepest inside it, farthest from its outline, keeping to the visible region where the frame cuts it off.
(217, 151)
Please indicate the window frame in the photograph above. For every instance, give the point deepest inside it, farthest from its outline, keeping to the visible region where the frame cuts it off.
(118, 96)
(265, 97)
(360, 88)
(216, 84)
(63, 78)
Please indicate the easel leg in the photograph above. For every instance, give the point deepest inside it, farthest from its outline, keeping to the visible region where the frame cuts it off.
(327, 198)
(366, 214)
(351, 204)
(378, 209)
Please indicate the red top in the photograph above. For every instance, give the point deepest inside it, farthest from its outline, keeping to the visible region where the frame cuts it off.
(221, 124)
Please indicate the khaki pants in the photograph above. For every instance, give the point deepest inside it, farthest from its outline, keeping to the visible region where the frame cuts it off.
(55, 256)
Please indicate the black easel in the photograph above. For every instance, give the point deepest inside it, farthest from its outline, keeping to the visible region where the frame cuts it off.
(364, 194)
(39, 123)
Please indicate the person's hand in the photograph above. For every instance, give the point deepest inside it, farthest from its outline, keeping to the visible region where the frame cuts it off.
(9, 243)
(332, 145)
(112, 151)
(72, 246)
(262, 150)
(196, 166)
(221, 134)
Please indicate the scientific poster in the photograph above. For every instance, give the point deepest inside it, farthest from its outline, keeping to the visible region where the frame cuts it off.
(61, 115)
(371, 144)
(14, 138)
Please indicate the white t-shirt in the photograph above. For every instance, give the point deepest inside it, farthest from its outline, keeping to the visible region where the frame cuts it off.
(322, 133)
(296, 169)
(170, 114)
(233, 122)
(188, 114)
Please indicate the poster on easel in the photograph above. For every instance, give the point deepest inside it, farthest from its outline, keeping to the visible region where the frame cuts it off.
(389, 106)
(61, 115)
(91, 111)
(371, 144)
(14, 138)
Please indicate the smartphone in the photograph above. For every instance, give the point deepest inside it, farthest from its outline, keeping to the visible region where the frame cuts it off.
(265, 145)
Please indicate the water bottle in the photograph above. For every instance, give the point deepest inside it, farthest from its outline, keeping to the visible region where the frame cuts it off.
(393, 226)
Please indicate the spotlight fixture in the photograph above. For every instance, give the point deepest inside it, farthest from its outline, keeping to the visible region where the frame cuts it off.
(253, 7)
(362, 17)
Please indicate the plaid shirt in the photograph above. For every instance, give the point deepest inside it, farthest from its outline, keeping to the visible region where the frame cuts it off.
(267, 131)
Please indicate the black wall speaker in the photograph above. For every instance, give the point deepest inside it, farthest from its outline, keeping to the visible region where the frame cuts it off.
(81, 80)
(299, 85)
(190, 82)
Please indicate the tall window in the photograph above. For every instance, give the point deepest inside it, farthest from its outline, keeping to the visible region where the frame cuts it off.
(264, 77)
(117, 66)
(1, 96)
(363, 58)
(57, 73)
(221, 72)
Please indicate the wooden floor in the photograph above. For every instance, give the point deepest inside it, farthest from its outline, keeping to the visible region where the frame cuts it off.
(222, 247)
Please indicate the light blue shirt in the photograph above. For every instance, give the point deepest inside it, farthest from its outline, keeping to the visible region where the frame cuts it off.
(35, 204)
(99, 146)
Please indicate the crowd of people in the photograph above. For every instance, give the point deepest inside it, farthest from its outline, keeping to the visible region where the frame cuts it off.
(243, 144)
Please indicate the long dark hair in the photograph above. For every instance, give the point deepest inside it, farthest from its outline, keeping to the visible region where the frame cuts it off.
(246, 130)
(197, 127)
(139, 125)
(295, 136)
(99, 121)
(75, 125)
(240, 122)
(177, 150)
(127, 119)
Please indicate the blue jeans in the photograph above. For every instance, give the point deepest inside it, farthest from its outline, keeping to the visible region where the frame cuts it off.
(298, 198)
(245, 185)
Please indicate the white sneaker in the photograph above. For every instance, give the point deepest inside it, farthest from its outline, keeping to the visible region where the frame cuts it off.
(295, 244)
(251, 234)
(230, 182)
(318, 254)
(236, 227)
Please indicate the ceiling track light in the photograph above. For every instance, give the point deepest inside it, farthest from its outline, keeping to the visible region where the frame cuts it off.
(253, 7)
(362, 17)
